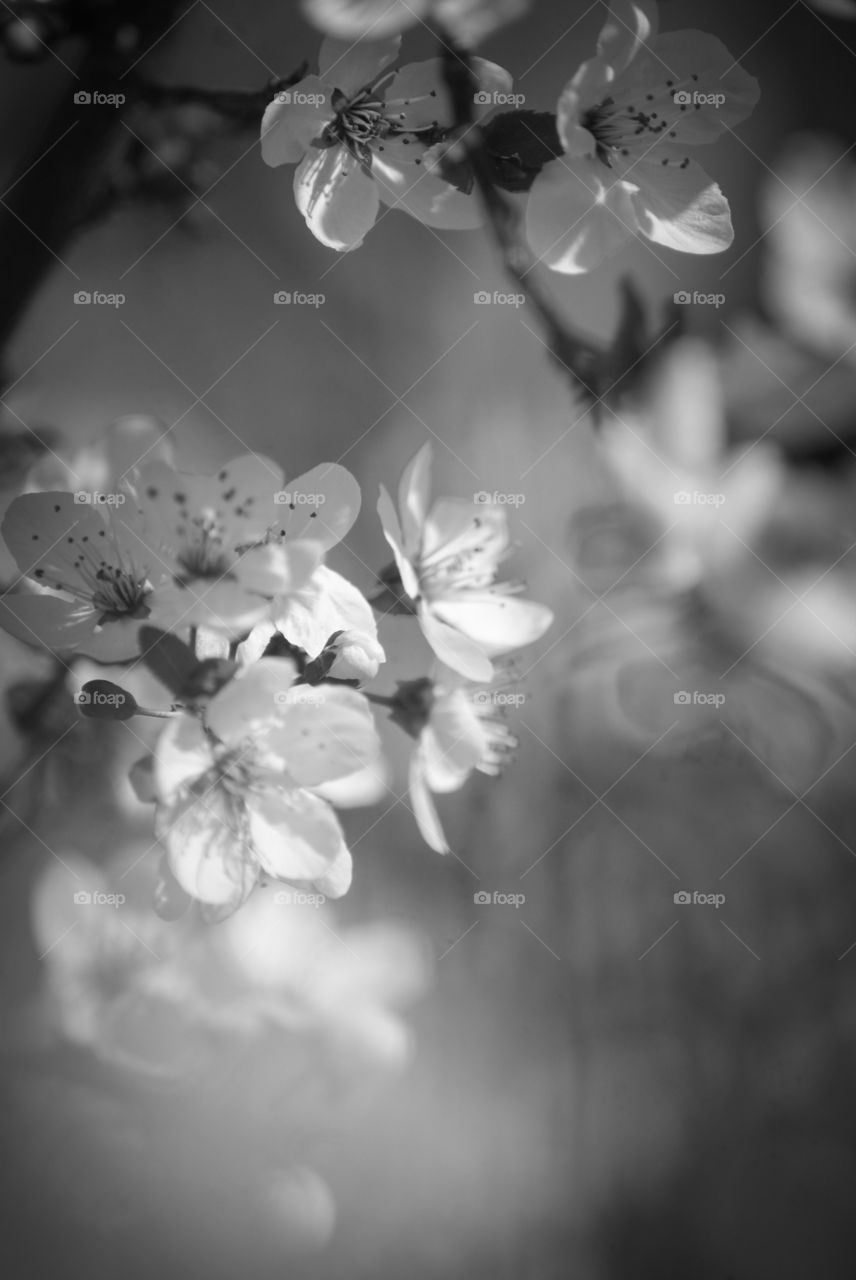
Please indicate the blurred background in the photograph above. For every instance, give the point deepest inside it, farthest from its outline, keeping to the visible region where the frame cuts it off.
(603, 1080)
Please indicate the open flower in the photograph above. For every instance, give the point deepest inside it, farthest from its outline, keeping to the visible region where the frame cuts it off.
(231, 543)
(446, 561)
(458, 727)
(627, 121)
(236, 789)
(358, 134)
(102, 582)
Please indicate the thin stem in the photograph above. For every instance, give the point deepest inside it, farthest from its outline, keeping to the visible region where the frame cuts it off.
(577, 356)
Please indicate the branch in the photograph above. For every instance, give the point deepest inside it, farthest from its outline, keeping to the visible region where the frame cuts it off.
(594, 370)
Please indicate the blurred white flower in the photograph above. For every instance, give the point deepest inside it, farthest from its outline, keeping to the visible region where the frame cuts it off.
(358, 134)
(447, 557)
(458, 727)
(210, 534)
(627, 121)
(809, 210)
(236, 789)
(178, 998)
(468, 21)
(106, 462)
(672, 458)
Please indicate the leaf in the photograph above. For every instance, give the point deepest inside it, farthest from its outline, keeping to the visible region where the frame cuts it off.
(170, 659)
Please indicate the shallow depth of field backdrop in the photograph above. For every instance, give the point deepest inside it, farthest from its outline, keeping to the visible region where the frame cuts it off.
(580, 1102)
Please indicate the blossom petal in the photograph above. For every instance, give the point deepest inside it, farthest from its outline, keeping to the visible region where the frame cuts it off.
(395, 538)
(426, 197)
(424, 809)
(573, 220)
(682, 208)
(60, 541)
(694, 85)
(322, 504)
(630, 24)
(64, 626)
(455, 649)
(351, 64)
(293, 120)
(238, 498)
(275, 570)
(254, 696)
(207, 850)
(338, 199)
(456, 528)
(327, 603)
(182, 755)
(417, 96)
(297, 837)
(321, 732)
(414, 493)
(496, 622)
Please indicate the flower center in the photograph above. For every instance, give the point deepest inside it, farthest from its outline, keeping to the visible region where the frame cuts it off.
(204, 554)
(358, 122)
(119, 594)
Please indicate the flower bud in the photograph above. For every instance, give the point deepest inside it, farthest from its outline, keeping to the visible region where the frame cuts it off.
(357, 656)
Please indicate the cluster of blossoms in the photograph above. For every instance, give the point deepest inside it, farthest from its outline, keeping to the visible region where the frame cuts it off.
(618, 155)
(217, 586)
